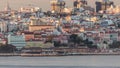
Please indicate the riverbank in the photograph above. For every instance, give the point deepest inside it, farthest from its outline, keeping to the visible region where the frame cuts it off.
(50, 55)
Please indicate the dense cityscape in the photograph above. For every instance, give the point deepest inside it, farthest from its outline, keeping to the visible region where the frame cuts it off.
(62, 30)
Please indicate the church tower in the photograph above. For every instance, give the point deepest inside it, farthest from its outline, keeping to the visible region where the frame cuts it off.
(53, 5)
(7, 8)
(57, 5)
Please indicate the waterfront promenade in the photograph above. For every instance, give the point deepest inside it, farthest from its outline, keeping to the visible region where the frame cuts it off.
(39, 52)
(50, 55)
(10, 54)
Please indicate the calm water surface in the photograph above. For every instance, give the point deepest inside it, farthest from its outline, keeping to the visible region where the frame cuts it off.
(61, 62)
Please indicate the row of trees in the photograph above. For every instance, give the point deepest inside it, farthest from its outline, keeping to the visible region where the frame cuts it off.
(76, 42)
(115, 44)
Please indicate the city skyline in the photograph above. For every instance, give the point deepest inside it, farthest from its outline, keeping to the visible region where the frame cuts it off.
(44, 4)
(61, 31)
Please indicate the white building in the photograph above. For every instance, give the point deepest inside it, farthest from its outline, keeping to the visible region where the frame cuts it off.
(17, 40)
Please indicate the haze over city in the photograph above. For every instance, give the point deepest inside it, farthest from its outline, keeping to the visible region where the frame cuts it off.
(44, 4)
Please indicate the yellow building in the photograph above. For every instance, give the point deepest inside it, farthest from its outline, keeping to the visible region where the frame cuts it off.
(39, 27)
(38, 24)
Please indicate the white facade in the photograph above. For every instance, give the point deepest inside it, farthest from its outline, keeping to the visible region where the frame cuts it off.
(17, 40)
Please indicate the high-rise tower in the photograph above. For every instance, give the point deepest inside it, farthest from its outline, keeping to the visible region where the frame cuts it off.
(57, 5)
(103, 5)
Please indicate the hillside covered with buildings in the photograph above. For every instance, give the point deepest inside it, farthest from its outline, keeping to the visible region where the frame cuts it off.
(82, 27)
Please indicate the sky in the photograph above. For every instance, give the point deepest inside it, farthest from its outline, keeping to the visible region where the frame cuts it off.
(44, 4)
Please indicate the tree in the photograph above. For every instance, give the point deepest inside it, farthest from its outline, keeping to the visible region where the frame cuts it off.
(79, 40)
(7, 48)
(118, 25)
(105, 42)
(48, 13)
(89, 44)
(64, 44)
(50, 39)
(75, 39)
(57, 44)
(115, 44)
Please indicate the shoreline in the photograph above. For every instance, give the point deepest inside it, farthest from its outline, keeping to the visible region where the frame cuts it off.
(10, 54)
(48, 55)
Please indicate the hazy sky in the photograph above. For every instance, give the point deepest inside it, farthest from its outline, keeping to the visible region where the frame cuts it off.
(45, 4)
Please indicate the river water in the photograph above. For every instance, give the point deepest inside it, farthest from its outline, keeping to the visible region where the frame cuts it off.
(61, 62)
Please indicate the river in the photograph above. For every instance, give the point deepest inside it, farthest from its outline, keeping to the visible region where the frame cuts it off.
(61, 62)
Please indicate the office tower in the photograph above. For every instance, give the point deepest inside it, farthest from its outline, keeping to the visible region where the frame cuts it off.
(103, 5)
